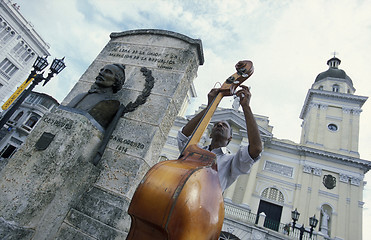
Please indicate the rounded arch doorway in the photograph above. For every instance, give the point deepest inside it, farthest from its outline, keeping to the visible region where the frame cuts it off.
(271, 203)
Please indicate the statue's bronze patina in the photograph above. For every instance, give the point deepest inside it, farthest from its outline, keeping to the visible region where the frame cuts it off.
(99, 101)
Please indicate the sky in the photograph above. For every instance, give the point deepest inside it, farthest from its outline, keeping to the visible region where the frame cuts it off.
(288, 41)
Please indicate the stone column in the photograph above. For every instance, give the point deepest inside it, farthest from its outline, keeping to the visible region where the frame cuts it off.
(135, 145)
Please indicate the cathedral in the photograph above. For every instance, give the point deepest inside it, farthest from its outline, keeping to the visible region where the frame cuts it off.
(321, 178)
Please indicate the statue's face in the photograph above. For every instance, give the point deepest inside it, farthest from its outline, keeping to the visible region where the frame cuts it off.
(106, 77)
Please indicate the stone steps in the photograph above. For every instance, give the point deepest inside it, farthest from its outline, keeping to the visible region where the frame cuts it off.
(98, 215)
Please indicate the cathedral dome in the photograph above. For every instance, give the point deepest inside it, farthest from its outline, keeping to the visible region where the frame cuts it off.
(334, 71)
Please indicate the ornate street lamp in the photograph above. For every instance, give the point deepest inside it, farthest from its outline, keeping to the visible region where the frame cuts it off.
(56, 67)
(295, 217)
(39, 65)
(312, 222)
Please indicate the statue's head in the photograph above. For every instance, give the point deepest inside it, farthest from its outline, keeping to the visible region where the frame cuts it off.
(111, 76)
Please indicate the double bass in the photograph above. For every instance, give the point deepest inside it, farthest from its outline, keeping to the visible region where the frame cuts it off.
(182, 199)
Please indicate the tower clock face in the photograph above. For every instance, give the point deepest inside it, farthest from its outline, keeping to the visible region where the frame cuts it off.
(332, 127)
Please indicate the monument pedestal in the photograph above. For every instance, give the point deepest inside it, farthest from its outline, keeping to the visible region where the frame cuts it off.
(91, 202)
(49, 173)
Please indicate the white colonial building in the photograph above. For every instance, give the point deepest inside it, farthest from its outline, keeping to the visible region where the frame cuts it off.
(20, 44)
(22, 122)
(322, 175)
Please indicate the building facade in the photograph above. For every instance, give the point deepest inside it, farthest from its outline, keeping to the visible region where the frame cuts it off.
(22, 122)
(20, 44)
(322, 176)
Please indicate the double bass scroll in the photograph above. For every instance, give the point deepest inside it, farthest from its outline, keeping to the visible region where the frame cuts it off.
(244, 70)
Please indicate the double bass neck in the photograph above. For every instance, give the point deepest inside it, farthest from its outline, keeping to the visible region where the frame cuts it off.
(244, 70)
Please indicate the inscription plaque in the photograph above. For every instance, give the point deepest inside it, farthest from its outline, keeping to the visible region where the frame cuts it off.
(280, 169)
(164, 60)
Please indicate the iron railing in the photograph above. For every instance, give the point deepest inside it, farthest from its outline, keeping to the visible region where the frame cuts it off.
(244, 215)
(238, 212)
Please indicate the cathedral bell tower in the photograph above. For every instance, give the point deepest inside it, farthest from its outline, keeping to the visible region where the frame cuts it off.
(331, 112)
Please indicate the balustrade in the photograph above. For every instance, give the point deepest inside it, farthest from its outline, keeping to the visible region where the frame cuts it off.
(243, 214)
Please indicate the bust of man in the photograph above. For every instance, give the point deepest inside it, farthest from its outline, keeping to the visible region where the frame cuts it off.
(99, 101)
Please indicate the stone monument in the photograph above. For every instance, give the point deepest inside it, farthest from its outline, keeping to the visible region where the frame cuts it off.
(50, 189)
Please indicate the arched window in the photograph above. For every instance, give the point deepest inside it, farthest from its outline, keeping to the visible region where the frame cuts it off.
(6, 34)
(26, 53)
(29, 56)
(273, 194)
(320, 88)
(5, 31)
(18, 46)
(9, 36)
(335, 88)
(31, 121)
(21, 49)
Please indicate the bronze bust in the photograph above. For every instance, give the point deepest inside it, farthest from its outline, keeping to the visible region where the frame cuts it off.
(99, 101)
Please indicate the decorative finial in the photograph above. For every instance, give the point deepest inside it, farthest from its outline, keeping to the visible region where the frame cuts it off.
(334, 62)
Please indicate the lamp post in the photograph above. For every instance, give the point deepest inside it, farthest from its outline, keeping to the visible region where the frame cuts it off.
(312, 222)
(39, 65)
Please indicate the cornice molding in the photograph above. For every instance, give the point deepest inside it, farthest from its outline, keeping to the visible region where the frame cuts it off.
(333, 79)
(25, 29)
(300, 150)
(343, 97)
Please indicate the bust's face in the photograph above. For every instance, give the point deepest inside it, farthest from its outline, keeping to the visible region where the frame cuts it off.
(106, 76)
